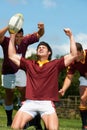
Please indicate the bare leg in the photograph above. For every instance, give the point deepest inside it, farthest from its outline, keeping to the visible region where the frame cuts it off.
(9, 105)
(22, 92)
(51, 121)
(20, 119)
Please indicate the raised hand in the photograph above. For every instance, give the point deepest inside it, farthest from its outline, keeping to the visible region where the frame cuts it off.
(67, 31)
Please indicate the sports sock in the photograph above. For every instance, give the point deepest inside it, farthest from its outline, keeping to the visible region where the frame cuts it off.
(9, 117)
(9, 110)
(83, 114)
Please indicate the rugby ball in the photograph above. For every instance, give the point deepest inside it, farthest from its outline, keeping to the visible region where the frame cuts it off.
(16, 23)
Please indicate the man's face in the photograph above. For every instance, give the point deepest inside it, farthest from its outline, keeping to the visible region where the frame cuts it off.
(79, 56)
(18, 38)
(42, 51)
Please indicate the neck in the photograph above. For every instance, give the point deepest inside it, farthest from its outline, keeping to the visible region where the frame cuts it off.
(43, 59)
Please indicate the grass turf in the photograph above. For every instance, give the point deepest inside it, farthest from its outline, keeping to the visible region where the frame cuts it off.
(65, 124)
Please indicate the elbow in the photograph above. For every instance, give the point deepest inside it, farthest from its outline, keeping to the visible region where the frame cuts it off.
(74, 58)
(75, 55)
(9, 54)
(10, 57)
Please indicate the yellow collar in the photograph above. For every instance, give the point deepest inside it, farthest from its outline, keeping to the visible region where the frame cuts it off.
(41, 63)
(83, 60)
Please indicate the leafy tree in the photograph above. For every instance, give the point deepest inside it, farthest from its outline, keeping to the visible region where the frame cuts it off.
(33, 57)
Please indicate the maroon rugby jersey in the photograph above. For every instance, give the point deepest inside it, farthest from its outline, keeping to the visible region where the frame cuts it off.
(8, 66)
(42, 82)
(78, 66)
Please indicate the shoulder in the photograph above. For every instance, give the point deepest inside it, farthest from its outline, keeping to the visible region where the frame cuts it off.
(5, 40)
(85, 50)
(26, 61)
(58, 62)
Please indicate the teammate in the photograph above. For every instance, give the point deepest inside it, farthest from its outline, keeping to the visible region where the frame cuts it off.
(80, 65)
(12, 76)
(42, 83)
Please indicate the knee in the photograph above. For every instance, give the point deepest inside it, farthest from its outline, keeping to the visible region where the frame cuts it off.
(53, 128)
(16, 127)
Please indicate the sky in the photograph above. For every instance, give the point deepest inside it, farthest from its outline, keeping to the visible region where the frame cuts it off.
(55, 14)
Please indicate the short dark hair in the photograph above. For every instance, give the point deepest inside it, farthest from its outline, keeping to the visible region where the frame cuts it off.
(48, 46)
(79, 46)
(21, 30)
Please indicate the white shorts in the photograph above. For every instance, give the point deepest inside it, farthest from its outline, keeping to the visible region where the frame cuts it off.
(83, 81)
(33, 106)
(12, 80)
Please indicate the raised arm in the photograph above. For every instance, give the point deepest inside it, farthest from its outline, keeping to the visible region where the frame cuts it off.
(66, 84)
(40, 31)
(2, 33)
(73, 50)
(12, 52)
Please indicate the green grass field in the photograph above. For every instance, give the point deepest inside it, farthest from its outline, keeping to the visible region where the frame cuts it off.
(65, 124)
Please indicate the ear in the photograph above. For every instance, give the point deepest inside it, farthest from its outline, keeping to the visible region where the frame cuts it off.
(49, 52)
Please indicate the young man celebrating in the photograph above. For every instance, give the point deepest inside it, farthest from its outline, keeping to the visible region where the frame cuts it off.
(42, 83)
